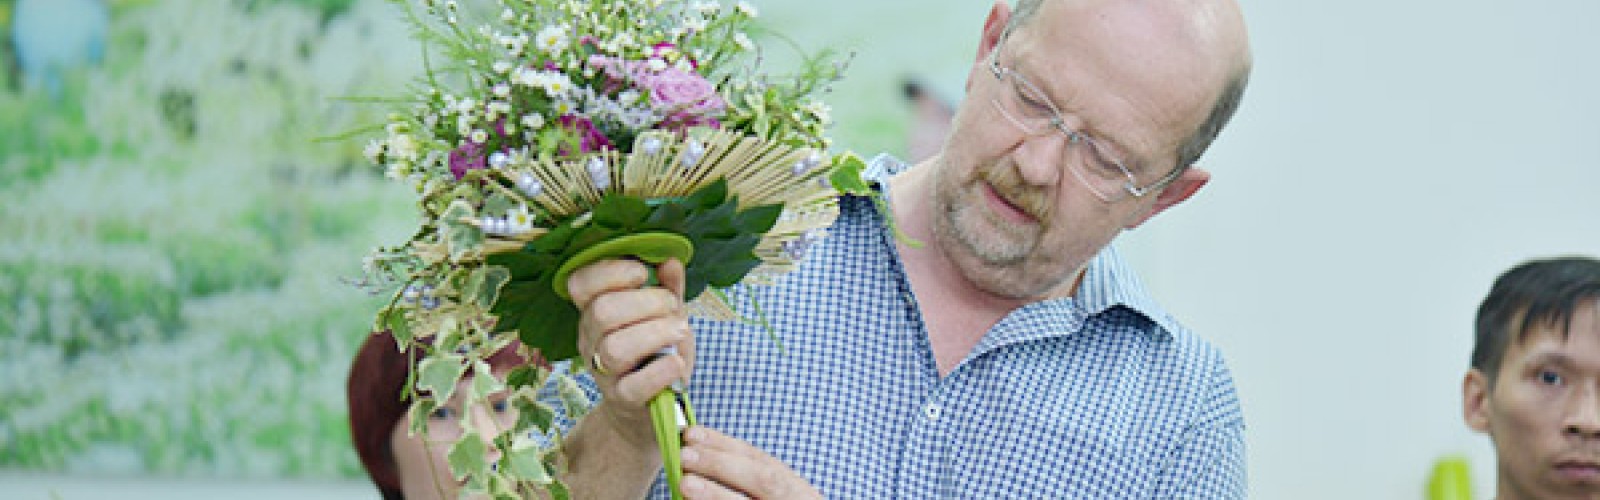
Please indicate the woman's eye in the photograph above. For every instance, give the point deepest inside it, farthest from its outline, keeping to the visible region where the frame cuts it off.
(1548, 377)
(501, 406)
(443, 413)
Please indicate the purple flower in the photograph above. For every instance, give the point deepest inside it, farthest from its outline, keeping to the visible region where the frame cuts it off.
(590, 138)
(467, 157)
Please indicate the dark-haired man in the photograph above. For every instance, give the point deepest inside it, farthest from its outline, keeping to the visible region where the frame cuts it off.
(1534, 386)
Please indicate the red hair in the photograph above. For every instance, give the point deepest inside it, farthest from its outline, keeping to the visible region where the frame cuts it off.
(375, 392)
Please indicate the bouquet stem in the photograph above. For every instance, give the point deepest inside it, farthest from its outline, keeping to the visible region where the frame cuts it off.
(670, 414)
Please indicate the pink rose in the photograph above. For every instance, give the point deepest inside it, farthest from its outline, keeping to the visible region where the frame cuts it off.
(676, 89)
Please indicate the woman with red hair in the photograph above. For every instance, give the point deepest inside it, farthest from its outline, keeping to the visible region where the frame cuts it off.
(405, 466)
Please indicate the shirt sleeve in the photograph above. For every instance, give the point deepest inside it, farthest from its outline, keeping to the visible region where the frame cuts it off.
(1209, 462)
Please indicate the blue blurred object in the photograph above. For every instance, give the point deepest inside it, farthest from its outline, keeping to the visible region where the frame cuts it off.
(53, 37)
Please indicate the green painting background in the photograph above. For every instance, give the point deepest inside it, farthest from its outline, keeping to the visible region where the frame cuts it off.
(174, 240)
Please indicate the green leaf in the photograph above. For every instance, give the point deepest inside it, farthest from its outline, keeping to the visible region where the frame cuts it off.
(484, 382)
(467, 455)
(535, 414)
(620, 212)
(394, 319)
(439, 375)
(524, 376)
(488, 279)
(526, 464)
(572, 397)
(845, 177)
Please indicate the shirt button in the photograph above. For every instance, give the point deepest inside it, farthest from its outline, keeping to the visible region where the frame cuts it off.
(933, 410)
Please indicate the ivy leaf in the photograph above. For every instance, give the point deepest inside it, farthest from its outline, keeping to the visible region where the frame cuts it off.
(439, 375)
(526, 464)
(467, 455)
(535, 414)
(486, 283)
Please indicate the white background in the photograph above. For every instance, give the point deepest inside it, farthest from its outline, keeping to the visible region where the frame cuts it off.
(1391, 159)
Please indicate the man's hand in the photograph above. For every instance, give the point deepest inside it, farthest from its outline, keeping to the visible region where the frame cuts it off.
(719, 466)
(623, 325)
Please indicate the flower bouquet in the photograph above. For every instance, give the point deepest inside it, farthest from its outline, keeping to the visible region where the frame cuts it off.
(548, 134)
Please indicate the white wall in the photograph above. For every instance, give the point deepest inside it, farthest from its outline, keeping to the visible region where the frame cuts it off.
(1391, 158)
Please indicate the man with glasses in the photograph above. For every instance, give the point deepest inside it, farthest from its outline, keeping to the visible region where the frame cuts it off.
(1013, 355)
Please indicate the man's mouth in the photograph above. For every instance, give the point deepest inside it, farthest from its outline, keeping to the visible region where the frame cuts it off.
(1579, 470)
(1007, 208)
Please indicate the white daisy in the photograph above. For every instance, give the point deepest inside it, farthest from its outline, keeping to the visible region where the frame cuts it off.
(551, 39)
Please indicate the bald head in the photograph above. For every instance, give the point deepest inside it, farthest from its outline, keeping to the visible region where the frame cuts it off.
(1213, 29)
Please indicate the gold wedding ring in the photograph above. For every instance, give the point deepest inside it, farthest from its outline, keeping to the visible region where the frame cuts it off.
(594, 364)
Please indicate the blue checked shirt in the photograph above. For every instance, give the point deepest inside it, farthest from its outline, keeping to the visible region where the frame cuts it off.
(1102, 395)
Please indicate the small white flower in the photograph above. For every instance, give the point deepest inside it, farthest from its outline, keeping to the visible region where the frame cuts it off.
(707, 8)
(532, 121)
(557, 84)
(480, 136)
(743, 41)
(551, 39)
(373, 150)
(746, 9)
(656, 64)
(817, 109)
(520, 219)
(466, 106)
(499, 160)
(530, 185)
(806, 164)
(629, 96)
(507, 15)
(403, 146)
(502, 66)
(600, 173)
(651, 145)
(693, 151)
(694, 25)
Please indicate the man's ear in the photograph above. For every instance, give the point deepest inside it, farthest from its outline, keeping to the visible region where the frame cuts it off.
(1185, 186)
(994, 28)
(1475, 400)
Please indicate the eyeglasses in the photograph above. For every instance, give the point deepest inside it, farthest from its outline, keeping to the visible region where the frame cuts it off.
(1030, 109)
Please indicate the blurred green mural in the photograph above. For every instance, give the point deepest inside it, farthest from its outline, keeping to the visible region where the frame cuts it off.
(174, 238)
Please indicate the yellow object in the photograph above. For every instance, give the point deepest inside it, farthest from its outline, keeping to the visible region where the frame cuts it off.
(1451, 480)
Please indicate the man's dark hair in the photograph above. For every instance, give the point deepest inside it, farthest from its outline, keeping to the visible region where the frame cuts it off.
(1535, 293)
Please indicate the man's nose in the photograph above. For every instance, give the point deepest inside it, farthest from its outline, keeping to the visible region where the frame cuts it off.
(1042, 161)
(1583, 414)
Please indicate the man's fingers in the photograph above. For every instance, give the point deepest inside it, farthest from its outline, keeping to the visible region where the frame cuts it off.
(619, 309)
(605, 276)
(740, 467)
(672, 275)
(625, 350)
(635, 389)
(700, 488)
